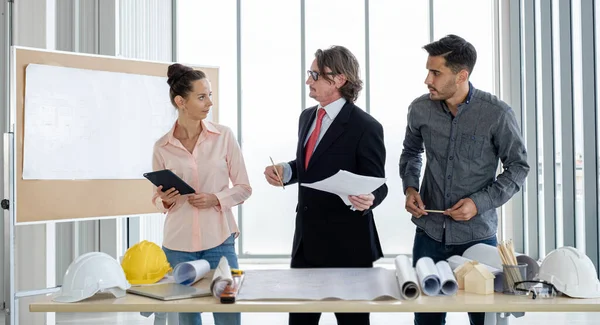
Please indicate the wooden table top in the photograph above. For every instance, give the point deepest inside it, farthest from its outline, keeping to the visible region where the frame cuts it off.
(462, 302)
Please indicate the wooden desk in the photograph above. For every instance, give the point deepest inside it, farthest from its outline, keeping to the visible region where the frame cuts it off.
(462, 302)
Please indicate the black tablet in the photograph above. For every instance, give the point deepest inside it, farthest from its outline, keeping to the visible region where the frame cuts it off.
(168, 179)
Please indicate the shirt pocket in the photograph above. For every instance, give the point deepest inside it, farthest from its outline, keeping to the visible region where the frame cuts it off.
(471, 146)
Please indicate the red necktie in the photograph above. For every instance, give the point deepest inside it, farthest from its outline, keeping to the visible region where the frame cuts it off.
(314, 136)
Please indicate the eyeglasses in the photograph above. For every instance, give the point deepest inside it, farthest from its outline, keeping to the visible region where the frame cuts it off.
(541, 289)
(315, 74)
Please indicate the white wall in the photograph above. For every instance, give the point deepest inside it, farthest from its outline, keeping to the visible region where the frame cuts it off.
(34, 26)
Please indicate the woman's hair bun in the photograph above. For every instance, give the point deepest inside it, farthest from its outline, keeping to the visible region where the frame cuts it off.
(175, 72)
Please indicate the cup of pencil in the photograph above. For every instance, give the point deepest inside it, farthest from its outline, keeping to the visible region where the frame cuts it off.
(513, 272)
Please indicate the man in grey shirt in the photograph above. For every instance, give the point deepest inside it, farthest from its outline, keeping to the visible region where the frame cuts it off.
(464, 132)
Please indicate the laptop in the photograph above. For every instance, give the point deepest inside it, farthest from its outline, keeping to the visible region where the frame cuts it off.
(169, 291)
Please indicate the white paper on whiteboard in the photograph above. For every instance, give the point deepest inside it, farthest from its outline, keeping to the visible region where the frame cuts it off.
(87, 124)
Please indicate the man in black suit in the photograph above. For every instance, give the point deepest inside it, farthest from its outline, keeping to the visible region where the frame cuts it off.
(334, 135)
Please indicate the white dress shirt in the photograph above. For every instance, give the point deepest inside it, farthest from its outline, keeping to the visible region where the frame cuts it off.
(332, 110)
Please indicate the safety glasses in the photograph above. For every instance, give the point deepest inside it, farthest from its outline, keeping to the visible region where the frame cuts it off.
(537, 289)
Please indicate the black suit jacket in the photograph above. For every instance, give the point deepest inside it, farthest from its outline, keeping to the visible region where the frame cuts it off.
(332, 235)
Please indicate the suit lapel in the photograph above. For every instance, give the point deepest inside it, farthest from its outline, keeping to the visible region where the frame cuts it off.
(337, 127)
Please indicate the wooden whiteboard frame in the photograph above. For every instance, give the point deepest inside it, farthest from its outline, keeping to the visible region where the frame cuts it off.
(48, 200)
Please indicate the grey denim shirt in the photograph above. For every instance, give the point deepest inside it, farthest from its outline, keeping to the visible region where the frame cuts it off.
(462, 154)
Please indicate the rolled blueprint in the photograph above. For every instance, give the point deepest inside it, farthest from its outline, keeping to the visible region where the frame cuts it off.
(188, 273)
(447, 279)
(221, 278)
(429, 278)
(407, 278)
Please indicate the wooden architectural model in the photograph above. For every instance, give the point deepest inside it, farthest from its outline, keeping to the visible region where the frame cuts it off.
(461, 271)
(479, 280)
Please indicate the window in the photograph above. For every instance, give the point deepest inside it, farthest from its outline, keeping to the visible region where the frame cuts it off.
(207, 36)
(597, 108)
(540, 74)
(474, 24)
(578, 121)
(336, 22)
(557, 122)
(397, 78)
(272, 82)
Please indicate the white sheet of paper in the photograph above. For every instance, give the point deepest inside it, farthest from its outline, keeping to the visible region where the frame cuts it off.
(345, 183)
(320, 284)
(488, 255)
(87, 124)
(484, 254)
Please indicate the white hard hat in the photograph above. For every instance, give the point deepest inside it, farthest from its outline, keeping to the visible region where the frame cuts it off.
(571, 272)
(91, 273)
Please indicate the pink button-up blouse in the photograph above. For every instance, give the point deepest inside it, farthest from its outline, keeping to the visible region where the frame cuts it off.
(215, 160)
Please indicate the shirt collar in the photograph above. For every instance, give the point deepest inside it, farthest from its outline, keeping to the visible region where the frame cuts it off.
(334, 108)
(467, 99)
(207, 126)
(470, 94)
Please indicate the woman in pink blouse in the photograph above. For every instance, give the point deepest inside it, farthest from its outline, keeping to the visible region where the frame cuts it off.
(206, 155)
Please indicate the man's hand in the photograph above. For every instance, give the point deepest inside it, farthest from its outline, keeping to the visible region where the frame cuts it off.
(203, 200)
(414, 205)
(272, 175)
(463, 210)
(362, 202)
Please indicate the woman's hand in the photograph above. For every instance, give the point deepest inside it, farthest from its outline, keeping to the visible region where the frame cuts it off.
(203, 200)
(168, 197)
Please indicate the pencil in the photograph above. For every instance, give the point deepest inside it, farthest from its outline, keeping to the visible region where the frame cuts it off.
(434, 211)
(277, 173)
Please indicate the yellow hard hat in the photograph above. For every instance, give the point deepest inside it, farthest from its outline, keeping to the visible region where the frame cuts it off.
(145, 263)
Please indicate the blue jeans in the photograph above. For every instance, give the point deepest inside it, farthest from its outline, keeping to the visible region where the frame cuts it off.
(426, 246)
(212, 256)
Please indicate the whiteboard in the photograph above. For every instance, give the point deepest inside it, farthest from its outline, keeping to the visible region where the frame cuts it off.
(89, 124)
